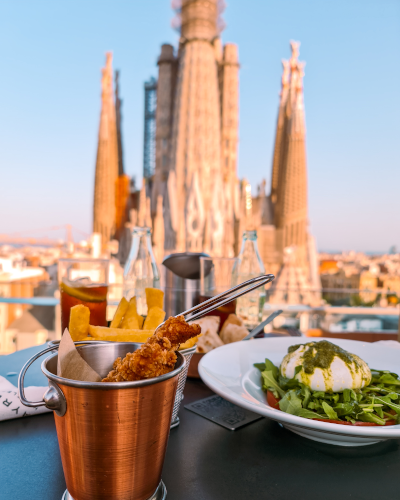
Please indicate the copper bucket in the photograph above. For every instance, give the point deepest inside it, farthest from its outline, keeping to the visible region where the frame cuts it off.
(112, 436)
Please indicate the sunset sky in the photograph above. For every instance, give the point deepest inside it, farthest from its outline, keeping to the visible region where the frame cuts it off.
(52, 54)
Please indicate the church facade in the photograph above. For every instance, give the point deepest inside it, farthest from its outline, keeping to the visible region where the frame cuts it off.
(194, 199)
(196, 136)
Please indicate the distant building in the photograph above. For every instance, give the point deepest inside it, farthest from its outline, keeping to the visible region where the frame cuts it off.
(360, 279)
(15, 281)
(336, 285)
(28, 330)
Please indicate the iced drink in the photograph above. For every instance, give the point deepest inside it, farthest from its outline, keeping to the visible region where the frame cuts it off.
(83, 291)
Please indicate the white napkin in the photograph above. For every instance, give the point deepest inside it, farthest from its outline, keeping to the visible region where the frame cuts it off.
(11, 406)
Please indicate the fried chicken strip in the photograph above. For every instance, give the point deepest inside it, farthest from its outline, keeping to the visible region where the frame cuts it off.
(157, 356)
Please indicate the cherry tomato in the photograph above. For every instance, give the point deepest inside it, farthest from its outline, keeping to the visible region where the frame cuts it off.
(272, 401)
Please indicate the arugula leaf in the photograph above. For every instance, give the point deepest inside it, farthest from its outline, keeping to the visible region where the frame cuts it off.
(335, 397)
(269, 366)
(391, 417)
(302, 412)
(269, 381)
(306, 393)
(259, 366)
(374, 371)
(290, 403)
(329, 411)
(353, 395)
(297, 370)
(288, 383)
(370, 417)
(386, 401)
(387, 378)
(318, 394)
(346, 395)
(350, 408)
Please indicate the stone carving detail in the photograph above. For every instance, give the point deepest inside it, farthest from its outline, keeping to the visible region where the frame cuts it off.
(194, 217)
(217, 218)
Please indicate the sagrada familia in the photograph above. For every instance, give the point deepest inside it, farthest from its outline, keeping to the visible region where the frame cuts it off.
(193, 198)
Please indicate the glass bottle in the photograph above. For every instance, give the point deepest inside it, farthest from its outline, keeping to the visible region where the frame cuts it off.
(141, 269)
(249, 265)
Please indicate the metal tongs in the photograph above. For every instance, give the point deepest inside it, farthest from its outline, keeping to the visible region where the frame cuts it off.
(209, 305)
(223, 298)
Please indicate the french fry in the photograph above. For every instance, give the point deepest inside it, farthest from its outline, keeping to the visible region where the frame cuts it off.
(119, 334)
(79, 322)
(189, 343)
(155, 316)
(154, 298)
(130, 319)
(119, 313)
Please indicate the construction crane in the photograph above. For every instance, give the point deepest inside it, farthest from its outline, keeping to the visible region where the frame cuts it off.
(18, 238)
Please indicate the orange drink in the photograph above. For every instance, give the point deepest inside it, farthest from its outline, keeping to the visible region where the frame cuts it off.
(83, 281)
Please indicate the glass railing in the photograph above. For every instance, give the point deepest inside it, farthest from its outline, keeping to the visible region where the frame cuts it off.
(27, 321)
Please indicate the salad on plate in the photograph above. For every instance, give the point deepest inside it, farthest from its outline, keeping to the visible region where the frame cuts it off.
(322, 381)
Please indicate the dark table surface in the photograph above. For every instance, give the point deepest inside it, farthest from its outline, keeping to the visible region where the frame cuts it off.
(207, 462)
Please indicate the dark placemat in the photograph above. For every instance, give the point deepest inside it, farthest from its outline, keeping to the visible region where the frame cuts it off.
(223, 412)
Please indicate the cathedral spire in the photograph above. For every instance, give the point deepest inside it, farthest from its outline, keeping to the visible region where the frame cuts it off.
(278, 148)
(118, 113)
(290, 213)
(107, 160)
(196, 125)
(295, 47)
(199, 19)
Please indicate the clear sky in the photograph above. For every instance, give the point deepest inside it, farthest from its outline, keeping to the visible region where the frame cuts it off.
(52, 53)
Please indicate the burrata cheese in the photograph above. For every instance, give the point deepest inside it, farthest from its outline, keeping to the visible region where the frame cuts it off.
(325, 367)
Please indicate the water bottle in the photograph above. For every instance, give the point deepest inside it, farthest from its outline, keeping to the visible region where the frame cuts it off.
(249, 265)
(141, 269)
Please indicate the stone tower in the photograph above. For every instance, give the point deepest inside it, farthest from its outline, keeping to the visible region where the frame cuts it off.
(282, 218)
(280, 131)
(122, 188)
(290, 165)
(229, 91)
(118, 118)
(286, 247)
(104, 211)
(196, 135)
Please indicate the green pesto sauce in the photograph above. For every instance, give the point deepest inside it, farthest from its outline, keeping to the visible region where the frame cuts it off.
(321, 354)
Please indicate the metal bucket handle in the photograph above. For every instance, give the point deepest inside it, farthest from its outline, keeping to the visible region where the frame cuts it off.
(53, 398)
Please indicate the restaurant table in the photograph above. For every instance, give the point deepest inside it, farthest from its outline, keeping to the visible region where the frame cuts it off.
(206, 461)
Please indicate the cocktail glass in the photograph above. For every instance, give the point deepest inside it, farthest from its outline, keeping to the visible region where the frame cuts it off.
(83, 281)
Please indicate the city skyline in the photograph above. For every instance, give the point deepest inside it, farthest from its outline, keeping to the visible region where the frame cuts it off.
(50, 120)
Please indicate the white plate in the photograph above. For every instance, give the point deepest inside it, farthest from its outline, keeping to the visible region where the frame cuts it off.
(229, 372)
